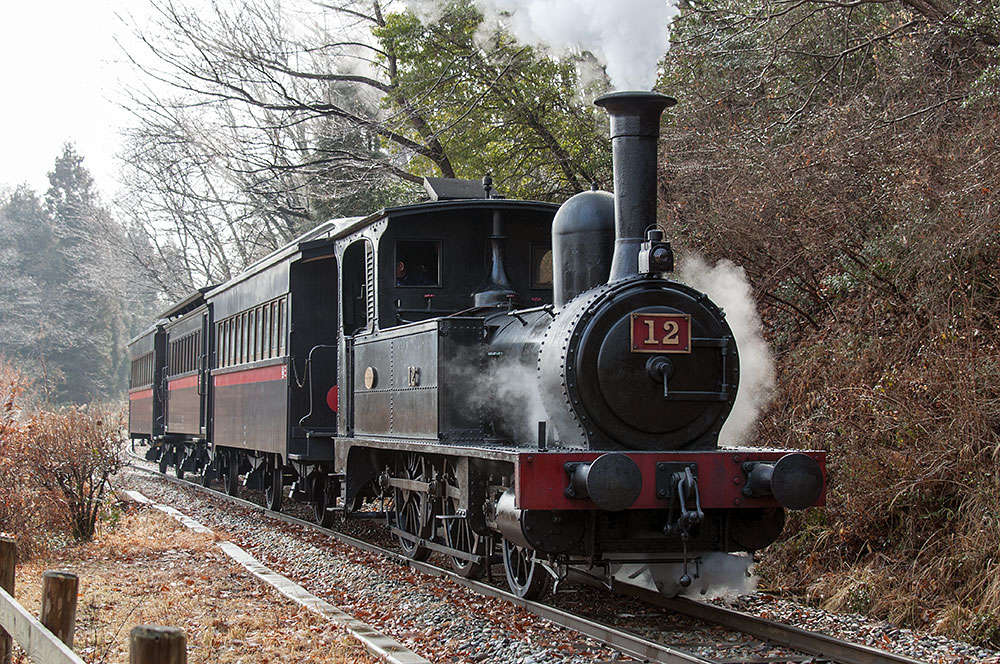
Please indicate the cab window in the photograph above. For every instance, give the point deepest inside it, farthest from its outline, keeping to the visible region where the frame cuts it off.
(541, 266)
(418, 263)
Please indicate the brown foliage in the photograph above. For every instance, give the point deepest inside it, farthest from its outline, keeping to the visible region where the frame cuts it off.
(54, 467)
(21, 516)
(70, 456)
(872, 238)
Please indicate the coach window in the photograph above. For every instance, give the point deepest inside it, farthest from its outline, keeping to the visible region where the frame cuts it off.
(244, 337)
(282, 329)
(261, 334)
(274, 328)
(266, 327)
(223, 359)
(251, 335)
(241, 338)
(418, 263)
(541, 266)
(255, 315)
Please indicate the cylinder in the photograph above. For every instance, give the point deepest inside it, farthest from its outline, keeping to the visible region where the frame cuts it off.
(583, 240)
(635, 132)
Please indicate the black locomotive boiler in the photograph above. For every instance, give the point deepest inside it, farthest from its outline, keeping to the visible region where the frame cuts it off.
(497, 379)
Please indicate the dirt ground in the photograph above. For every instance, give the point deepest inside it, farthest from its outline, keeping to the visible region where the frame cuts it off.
(145, 568)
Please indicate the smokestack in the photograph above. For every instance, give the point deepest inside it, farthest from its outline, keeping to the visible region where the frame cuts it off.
(635, 132)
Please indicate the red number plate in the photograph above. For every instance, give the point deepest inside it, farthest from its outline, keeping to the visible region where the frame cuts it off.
(661, 333)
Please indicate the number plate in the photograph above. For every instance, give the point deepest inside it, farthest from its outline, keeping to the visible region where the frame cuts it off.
(661, 333)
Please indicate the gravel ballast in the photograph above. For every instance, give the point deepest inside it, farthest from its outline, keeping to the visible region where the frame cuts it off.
(446, 622)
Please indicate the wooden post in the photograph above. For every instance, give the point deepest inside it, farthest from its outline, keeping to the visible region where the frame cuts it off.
(152, 644)
(59, 604)
(8, 555)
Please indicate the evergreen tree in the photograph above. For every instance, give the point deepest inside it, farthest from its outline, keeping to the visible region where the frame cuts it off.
(68, 300)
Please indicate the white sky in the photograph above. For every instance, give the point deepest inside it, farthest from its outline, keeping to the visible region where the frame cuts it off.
(59, 72)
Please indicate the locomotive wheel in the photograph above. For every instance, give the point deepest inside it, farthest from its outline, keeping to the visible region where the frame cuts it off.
(231, 474)
(321, 500)
(179, 459)
(274, 481)
(458, 533)
(525, 575)
(412, 509)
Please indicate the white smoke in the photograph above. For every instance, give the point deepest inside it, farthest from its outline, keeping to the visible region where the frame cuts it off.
(713, 575)
(628, 37)
(723, 575)
(726, 284)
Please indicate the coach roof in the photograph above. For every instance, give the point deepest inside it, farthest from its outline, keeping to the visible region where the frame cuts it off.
(336, 229)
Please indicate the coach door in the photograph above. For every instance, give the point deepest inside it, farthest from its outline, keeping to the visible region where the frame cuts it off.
(204, 367)
(314, 346)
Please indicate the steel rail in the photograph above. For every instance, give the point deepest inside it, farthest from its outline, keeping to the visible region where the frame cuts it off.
(796, 638)
(822, 645)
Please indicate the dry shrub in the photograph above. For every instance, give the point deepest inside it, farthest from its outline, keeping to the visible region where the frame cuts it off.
(71, 454)
(22, 514)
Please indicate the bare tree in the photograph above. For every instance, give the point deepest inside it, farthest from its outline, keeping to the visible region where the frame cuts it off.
(259, 119)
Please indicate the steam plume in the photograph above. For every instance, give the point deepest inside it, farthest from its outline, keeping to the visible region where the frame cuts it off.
(627, 36)
(728, 287)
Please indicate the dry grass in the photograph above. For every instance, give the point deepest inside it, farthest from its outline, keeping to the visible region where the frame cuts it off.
(148, 569)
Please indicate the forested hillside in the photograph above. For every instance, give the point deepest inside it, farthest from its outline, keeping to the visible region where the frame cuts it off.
(846, 156)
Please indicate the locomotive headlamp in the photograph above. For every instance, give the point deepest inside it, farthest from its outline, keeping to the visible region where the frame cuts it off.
(656, 255)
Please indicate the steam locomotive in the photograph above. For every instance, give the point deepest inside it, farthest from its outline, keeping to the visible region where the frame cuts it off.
(497, 379)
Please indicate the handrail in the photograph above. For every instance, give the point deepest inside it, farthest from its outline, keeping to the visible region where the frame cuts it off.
(38, 643)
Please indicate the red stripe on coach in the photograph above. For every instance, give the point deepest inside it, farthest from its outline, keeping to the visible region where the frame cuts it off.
(140, 394)
(182, 383)
(259, 375)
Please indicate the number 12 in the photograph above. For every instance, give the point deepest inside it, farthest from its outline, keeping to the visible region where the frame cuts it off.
(670, 327)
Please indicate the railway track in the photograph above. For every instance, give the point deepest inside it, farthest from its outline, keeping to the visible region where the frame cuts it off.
(808, 647)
